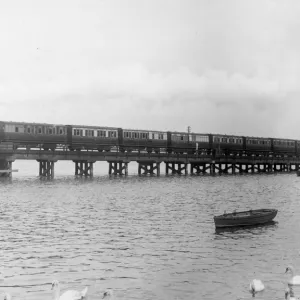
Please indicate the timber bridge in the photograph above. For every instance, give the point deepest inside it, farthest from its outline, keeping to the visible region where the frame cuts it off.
(148, 163)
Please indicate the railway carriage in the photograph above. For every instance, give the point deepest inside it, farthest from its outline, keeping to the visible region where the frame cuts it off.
(33, 135)
(92, 138)
(228, 144)
(178, 142)
(143, 140)
(286, 146)
(258, 145)
(200, 143)
(191, 143)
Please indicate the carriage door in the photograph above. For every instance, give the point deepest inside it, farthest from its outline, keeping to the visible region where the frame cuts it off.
(69, 135)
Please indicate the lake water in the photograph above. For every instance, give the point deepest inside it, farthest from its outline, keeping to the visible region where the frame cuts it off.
(144, 237)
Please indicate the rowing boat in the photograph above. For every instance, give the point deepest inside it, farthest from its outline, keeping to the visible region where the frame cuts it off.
(244, 218)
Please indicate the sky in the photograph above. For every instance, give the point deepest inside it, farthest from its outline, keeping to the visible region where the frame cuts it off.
(218, 66)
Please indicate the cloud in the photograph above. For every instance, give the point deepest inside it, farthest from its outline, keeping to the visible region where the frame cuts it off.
(219, 67)
(132, 96)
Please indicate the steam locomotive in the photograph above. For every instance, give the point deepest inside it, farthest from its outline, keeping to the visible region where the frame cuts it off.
(106, 139)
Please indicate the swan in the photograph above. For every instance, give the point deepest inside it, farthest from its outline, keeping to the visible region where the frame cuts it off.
(289, 295)
(7, 296)
(256, 285)
(294, 280)
(108, 294)
(68, 295)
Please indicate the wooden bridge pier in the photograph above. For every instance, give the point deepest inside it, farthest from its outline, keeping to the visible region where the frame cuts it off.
(117, 167)
(148, 168)
(84, 168)
(222, 170)
(46, 169)
(294, 167)
(200, 168)
(281, 167)
(176, 168)
(212, 168)
(6, 168)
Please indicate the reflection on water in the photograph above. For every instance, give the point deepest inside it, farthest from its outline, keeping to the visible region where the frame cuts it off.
(146, 237)
(255, 229)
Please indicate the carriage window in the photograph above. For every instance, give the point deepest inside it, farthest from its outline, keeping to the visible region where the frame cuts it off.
(89, 132)
(160, 136)
(127, 134)
(78, 132)
(112, 134)
(39, 130)
(231, 140)
(28, 130)
(144, 135)
(224, 140)
(101, 133)
(16, 129)
(49, 130)
(60, 131)
(202, 138)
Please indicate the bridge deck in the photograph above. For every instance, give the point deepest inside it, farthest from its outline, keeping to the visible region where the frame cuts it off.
(139, 157)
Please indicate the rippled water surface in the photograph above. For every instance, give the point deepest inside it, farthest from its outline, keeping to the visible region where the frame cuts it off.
(146, 237)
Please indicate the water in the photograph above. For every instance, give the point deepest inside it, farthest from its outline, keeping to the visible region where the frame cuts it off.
(144, 237)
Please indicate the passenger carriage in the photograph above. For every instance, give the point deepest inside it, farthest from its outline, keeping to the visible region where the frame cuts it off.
(92, 138)
(34, 135)
(286, 146)
(188, 143)
(258, 146)
(143, 140)
(228, 144)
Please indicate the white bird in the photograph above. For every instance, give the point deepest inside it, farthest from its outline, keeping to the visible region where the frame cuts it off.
(68, 295)
(256, 286)
(108, 294)
(7, 296)
(294, 280)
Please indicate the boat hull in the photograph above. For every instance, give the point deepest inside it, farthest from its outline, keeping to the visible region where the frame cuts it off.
(245, 218)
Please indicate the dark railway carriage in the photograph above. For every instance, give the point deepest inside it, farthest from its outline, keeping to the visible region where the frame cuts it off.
(225, 144)
(143, 140)
(33, 135)
(257, 145)
(92, 138)
(200, 143)
(191, 143)
(284, 146)
(178, 142)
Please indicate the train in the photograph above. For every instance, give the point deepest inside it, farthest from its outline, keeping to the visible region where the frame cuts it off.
(109, 139)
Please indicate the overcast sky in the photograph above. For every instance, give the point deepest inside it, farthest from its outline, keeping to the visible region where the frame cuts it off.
(218, 66)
